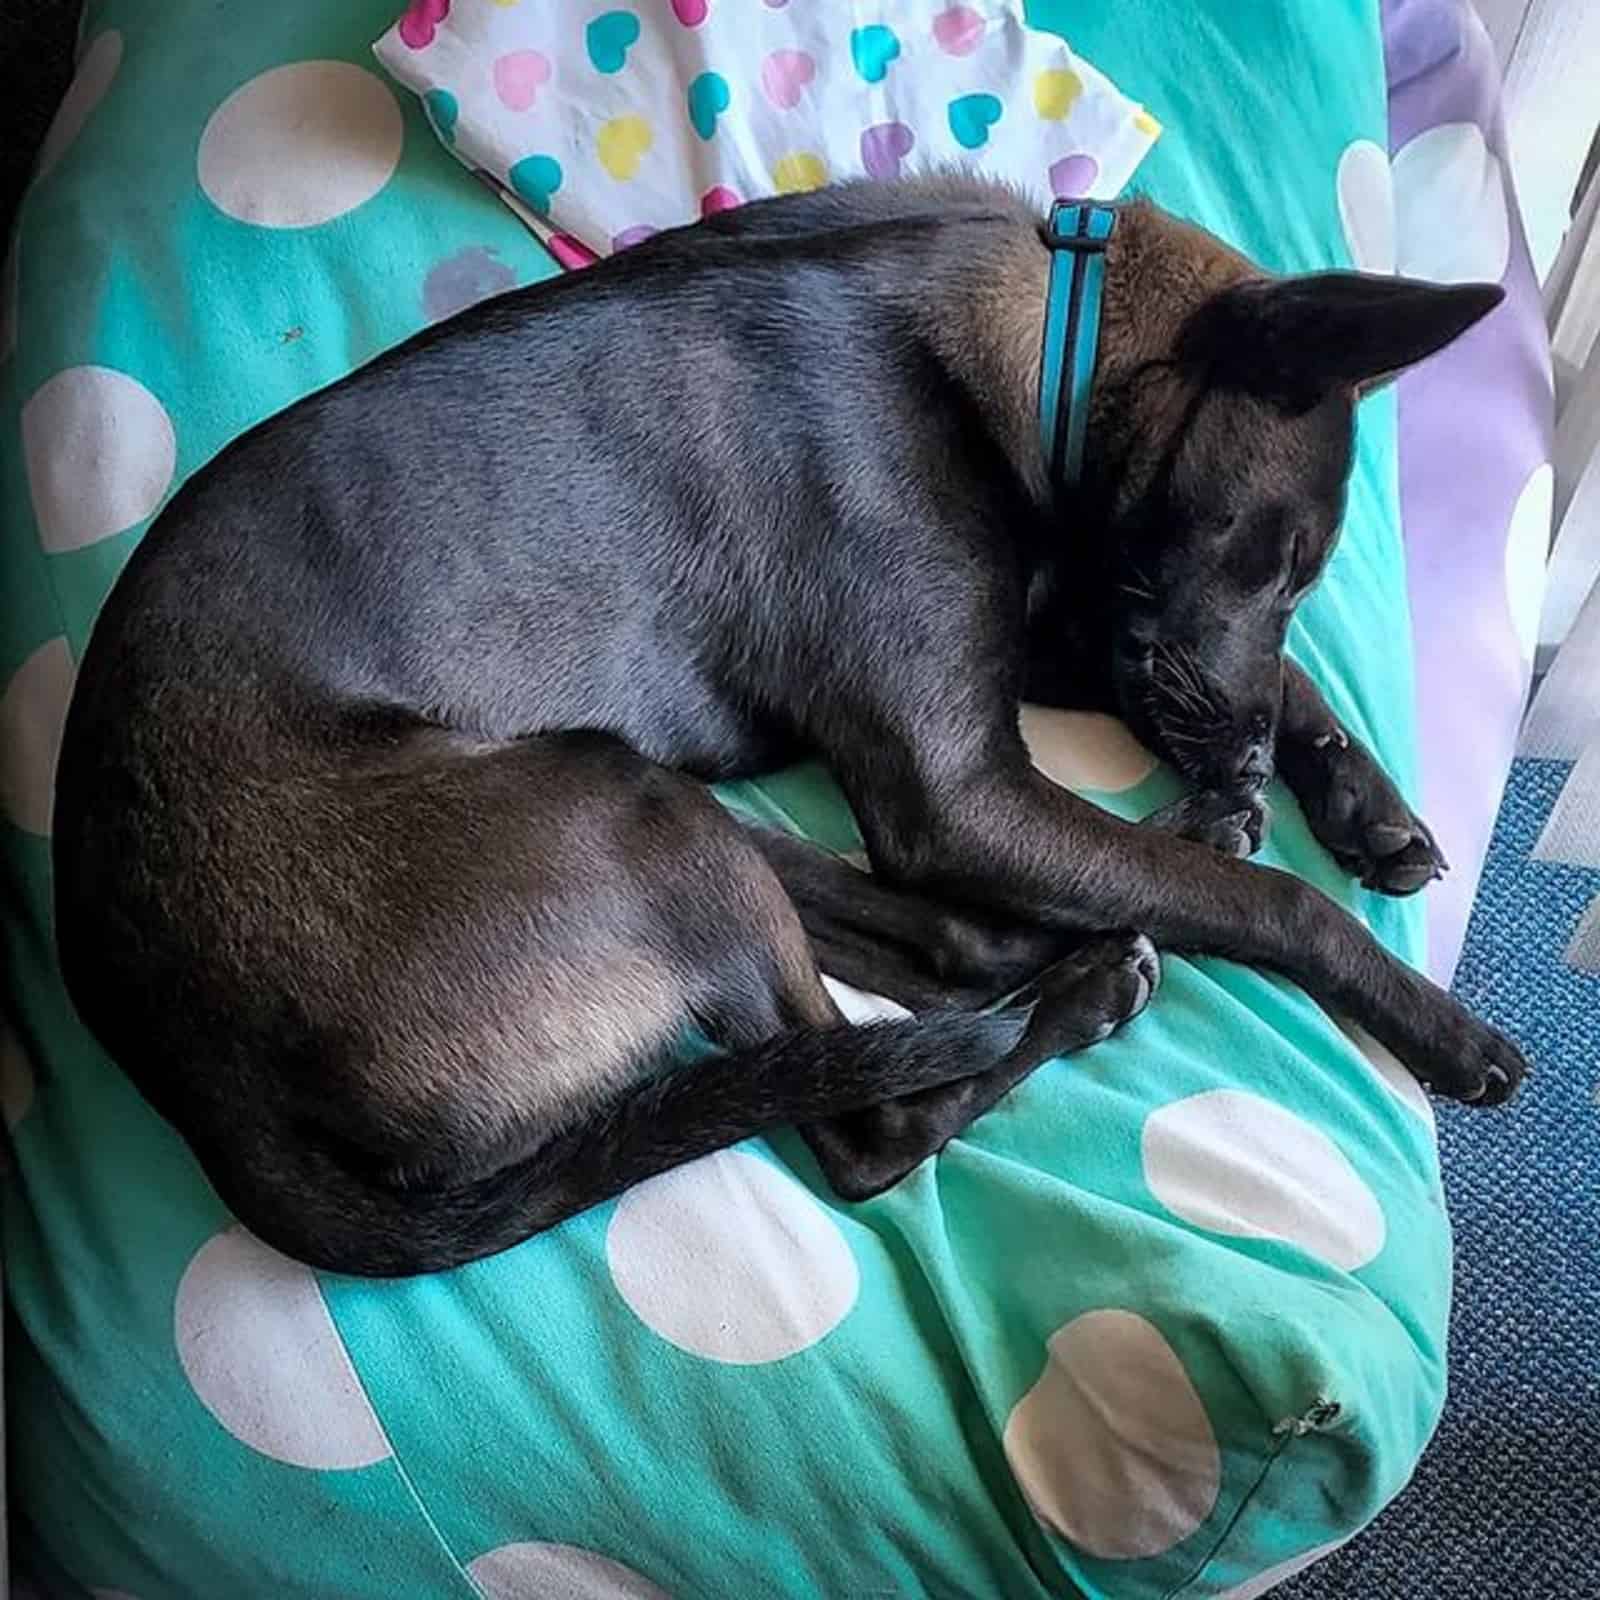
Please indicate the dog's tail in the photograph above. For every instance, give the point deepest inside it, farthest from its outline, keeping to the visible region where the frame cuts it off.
(368, 1226)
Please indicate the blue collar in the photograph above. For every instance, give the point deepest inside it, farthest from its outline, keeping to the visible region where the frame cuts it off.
(1076, 235)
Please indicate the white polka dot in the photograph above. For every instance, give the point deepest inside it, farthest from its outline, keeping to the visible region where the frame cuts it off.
(32, 712)
(96, 68)
(543, 1571)
(1112, 1446)
(729, 1259)
(1236, 1163)
(1393, 1073)
(1451, 219)
(301, 144)
(1282, 1573)
(859, 1006)
(100, 452)
(1085, 750)
(1527, 553)
(1366, 206)
(16, 1079)
(262, 1355)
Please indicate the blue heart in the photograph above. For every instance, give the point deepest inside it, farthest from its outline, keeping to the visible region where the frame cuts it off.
(609, 38)
(971, 118)
(708, 99)
(872, 49)
(442, 110)
(536, 179)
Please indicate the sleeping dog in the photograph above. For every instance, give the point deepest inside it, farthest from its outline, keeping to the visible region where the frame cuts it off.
(384, 858)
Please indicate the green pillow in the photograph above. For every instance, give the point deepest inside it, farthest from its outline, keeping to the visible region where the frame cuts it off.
(1168, 1321)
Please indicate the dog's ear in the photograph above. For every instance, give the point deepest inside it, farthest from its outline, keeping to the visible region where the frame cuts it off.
(1296, 339)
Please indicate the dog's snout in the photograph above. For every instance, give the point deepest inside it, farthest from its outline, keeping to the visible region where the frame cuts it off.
(1255, 763)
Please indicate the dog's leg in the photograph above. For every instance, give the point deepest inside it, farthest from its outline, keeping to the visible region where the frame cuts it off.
(959, 813)
(1350, 803)
(1108, 981)
(460, 973)
(924, 953)
(927, 953)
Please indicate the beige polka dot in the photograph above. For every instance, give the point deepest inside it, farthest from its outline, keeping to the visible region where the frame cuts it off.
(1085, 750)
(1282, 1573)
(301, 144)
(96, 68)
(1527, 553)
(1366, 206)
(100, 453)
(16, 1079)
(1392, 1073)
(33, 710)
(730, 1259)
(548, 1571)
(1238, 1164)
(1112, 1446)
(262, 1355)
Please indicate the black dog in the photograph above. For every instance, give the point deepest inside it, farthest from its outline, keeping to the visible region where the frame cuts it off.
(383, 860)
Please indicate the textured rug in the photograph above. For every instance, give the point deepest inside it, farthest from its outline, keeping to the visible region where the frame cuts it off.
(1506, 1502)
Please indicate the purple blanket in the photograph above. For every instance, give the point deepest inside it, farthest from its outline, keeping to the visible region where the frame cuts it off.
(1476, 429)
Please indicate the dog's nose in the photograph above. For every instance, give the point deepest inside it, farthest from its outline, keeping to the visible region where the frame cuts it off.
(1255, 765)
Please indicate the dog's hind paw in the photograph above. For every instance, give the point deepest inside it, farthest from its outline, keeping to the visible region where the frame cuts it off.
(1083, 998)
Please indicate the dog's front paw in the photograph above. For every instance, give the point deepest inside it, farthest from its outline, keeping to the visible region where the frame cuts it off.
(1466, 1059)
(1235, 824)
(1360, 819)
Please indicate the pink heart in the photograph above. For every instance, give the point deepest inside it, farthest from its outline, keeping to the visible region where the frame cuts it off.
(573, 254)
(691, 13)
(518, 76)
(958, 31)
(883, 145)
(718, 198)
(784, 76)
(422, 18)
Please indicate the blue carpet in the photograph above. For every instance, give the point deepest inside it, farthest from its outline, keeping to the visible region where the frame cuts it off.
(1506, 1503)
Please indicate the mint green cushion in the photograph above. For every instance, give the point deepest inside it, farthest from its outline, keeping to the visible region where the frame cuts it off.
(1169, 1319)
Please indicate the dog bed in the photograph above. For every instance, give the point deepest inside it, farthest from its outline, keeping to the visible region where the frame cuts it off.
(1169, 1322)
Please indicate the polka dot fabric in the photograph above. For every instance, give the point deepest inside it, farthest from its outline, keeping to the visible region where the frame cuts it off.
(1476, 485)
(609, 123)
(1169, 1322)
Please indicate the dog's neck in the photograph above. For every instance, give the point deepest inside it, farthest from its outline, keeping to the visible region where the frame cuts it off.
(990, 328)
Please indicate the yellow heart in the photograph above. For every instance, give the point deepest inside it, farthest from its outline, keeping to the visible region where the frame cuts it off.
(795, 174)
(622, 143)
(1054, 93)
(1147, 124)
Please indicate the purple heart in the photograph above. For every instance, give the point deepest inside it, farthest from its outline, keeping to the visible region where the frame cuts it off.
(1072, 177)
(629, 237)
(883, 146)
